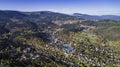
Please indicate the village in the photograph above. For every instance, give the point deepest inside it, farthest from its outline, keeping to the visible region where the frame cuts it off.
(83, 51)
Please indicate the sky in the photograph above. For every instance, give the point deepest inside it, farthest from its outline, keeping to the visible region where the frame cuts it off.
(92, 7)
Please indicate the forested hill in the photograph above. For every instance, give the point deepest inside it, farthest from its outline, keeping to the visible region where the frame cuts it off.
(50, 39)
(15, 20)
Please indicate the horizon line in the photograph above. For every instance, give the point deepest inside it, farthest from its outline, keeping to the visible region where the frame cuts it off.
(58, 12)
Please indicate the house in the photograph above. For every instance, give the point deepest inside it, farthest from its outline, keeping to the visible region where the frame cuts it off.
(35, 56)
(23, 57)
(67, 48)
(28, 50)
(13, 52)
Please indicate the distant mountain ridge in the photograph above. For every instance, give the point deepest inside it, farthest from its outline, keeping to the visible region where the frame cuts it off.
(96, 17)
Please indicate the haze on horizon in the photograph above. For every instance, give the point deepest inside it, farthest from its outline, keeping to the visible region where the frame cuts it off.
(92, 7)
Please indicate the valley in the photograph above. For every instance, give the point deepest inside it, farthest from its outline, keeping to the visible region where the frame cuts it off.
(49, 39)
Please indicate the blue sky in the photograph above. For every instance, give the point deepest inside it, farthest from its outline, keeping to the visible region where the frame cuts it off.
(93, 7)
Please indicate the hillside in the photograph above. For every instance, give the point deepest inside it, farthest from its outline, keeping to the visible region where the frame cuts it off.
(49, 39)
(107, 28)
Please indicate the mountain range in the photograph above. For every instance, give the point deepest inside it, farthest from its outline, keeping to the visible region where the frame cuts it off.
(96, 17)
(50, 39)
(18, 21)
